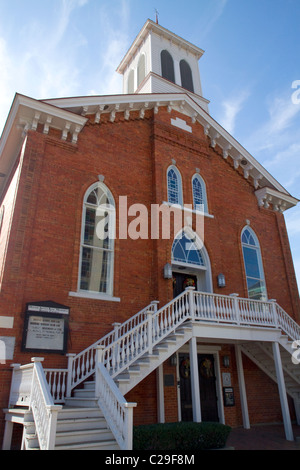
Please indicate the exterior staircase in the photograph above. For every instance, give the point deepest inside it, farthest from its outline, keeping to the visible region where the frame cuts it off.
(262, 355)
(92, 411)
(149, 362)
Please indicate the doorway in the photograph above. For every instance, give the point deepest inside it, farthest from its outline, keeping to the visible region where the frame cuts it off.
(207, 384)
(183, 280)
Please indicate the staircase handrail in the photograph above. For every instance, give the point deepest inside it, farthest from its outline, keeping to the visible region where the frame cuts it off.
(287, 324)
(116, 410)
(83, 365)
(35, 393)
(139, 334)
(126, 349)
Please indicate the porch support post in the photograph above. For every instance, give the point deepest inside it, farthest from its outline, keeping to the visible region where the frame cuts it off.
(195, 380)
(242, 386)
(8, 431)
(160, 394)
(282, 393)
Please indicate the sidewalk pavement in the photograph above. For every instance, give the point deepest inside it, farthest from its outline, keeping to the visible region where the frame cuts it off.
(263, 437)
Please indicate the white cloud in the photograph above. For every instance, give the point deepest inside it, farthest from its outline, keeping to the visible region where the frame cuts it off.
(280, 130)
(282, 112)
(232, 107)
(215, 9)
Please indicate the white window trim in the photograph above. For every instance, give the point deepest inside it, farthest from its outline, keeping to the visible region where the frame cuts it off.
(92, 294)
(259, 258)
(192, 211)
(203, 186)
(179, 179)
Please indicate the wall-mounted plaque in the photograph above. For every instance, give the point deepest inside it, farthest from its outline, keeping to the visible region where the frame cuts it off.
(228, 394)
(46, 327)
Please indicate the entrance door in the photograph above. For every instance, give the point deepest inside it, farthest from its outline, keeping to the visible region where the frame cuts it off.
(185, 388)
(181, 281)
(207, 383)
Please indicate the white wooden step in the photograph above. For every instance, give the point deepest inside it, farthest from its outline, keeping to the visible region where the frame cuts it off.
(97, 445)
(81, 436)
(81, 402)
(70, 412)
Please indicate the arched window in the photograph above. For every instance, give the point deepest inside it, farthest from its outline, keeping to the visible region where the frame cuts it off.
(185, 251)
(199, 193)
(131, 82)
(174, 186)
(190, 258)
(186, 76)
(97, 241)
(141, 70)
(253, 265)
(167, 66)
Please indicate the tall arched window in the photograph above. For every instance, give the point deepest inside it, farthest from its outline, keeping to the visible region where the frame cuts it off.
(174, 186)
(141, 69)
(186, 76)
(167, 66)
(253, 265)
(97, 241)
(199, 193)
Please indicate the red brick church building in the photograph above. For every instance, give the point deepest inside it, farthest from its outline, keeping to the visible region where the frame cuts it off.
(145, 258)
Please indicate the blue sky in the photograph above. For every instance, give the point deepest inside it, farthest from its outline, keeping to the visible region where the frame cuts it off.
(55, 48)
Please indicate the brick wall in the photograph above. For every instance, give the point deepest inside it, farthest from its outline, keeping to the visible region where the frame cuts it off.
(133, 156)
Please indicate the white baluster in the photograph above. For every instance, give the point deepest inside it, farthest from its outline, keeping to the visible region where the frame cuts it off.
(235, 305)
(150, 343)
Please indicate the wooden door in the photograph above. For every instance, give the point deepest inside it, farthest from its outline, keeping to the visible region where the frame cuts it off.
(181, 281)
(207, 383)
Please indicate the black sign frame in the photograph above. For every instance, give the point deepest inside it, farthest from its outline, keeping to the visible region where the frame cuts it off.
(46, 310)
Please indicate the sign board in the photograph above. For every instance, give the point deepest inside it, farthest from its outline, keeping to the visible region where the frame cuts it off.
(228, 394)
(46, 327)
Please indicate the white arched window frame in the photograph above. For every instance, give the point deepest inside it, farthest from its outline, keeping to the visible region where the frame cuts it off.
(199, 194)
(189, 252)
(186, 76)
(96, 268)
(174, 185)
(253, 265)
(167, 66)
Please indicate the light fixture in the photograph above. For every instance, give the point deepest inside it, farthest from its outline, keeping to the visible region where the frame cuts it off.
(221, 280)
(168, 271)
(226, 361)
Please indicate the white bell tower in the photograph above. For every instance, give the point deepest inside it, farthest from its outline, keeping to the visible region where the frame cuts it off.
(162, 62)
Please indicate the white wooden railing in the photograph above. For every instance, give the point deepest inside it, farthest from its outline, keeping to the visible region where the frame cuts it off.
(138, 335)
(39, 389)
(83, 365)
(30, 388)
(116, 410)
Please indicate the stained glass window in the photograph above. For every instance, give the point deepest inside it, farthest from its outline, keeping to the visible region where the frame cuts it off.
(199, 193)
(253, 265)
(174, 186)
(97, 245)
(185, 250)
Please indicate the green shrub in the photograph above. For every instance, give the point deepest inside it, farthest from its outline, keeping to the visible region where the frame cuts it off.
(183, 436)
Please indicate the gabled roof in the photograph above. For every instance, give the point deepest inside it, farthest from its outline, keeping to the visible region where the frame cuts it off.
(68, 115)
